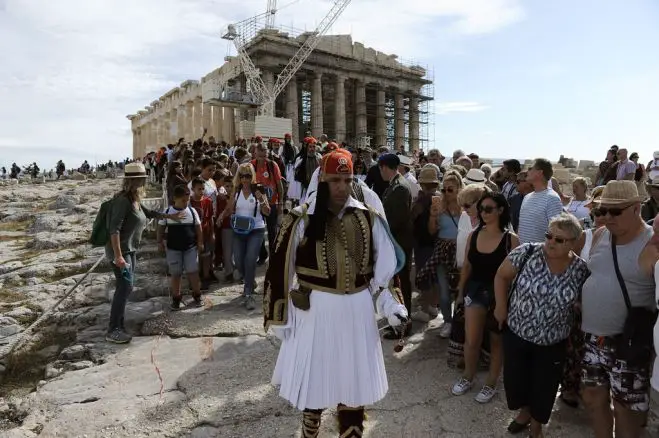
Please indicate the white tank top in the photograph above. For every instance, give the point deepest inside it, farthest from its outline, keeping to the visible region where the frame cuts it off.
(585, 252)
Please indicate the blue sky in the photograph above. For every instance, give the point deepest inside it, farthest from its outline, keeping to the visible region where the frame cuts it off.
(513, 78)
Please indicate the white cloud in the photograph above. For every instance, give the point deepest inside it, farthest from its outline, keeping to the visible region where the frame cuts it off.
(72, 70)
(459, 107)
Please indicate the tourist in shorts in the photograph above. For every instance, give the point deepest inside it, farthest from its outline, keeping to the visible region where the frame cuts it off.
(204, 206)
(184, 243)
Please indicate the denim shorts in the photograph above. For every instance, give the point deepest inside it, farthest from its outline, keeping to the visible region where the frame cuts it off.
(478, 294)
(179, 261)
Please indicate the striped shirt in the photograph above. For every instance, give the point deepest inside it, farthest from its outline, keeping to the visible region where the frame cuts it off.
(537, 209)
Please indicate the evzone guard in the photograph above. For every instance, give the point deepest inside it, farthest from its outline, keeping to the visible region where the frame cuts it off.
(331, 255)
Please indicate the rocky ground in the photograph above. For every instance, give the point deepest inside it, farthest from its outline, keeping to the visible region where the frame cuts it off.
(195, 373)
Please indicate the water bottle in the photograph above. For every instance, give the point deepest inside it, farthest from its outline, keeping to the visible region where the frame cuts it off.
(126, 274)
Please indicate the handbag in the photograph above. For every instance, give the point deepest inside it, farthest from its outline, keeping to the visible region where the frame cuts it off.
(301, 297)
(634, 345)
(243, 225)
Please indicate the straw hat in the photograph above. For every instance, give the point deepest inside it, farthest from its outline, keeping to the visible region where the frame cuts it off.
(620, 193)
(134, 170)
(428, 175)
(474, 176)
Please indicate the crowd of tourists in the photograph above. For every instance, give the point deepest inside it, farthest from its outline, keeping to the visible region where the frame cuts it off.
(555, 291)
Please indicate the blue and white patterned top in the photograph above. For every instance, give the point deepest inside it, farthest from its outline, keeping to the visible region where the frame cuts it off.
(542, 304)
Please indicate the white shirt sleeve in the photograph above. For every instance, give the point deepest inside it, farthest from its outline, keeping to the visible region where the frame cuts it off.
(163, 221)
(464, 228)
(384, 256)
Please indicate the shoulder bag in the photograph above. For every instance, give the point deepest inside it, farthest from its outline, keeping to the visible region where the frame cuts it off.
(243, 224)
(513, 287)
(634, 345)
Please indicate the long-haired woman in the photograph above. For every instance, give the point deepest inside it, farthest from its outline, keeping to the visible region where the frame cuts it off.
(443, 223)
(174, 178)
(127, 221)
(487, 247)
(250, 206)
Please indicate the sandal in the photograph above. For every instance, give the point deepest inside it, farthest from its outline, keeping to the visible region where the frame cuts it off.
(514, 427)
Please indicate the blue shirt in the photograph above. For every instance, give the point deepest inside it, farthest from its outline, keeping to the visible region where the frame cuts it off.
(448, 227)
(537, 209)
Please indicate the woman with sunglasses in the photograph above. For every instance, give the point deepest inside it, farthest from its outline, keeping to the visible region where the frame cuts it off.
(443, 223)
(252, 206)
(536, 289)
(487, 248)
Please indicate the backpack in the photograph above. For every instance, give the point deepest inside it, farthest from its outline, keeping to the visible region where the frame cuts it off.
(100, 230)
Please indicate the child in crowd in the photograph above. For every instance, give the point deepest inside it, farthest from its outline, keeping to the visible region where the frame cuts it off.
(223, 228)
(184, 244)
(204, 207)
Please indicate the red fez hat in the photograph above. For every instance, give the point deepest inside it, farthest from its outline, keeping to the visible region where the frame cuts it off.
(308, 140)
(258, 139)
(338, 162)
(287, 135)
(275, 140)
(331, 147)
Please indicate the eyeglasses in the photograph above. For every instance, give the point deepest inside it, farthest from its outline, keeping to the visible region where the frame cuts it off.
(614, 212)
(450, 190)
(559, 240)
(487, 208)
(245, 175)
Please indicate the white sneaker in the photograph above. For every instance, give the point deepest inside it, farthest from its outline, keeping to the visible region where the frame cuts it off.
(420, 316)
(461, 386)
(486, 394)
(445, 330)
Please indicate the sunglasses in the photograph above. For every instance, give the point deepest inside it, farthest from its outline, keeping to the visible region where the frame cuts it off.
(245, 175)
(487, 208)
(616, 211)
(596, 212)
(447, 190)
(559, 240)
(467, 206)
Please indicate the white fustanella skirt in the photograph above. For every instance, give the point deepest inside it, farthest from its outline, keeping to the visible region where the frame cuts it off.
(331, 353)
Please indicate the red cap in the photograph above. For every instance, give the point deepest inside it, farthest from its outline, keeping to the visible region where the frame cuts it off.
(338, 162)
(308, 140)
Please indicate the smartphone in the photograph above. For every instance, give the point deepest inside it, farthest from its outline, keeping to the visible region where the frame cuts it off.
(436, 200)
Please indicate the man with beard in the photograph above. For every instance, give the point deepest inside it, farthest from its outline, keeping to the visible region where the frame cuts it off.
(306, 163)
(331, 256)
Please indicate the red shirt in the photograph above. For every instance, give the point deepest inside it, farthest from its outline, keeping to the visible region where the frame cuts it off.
(205, 211)
(268, 174)
(222, 201)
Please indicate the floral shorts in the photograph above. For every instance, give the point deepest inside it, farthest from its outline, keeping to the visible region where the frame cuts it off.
(630, 386)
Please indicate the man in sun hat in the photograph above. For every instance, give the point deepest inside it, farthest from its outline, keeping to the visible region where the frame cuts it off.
(405, 169)
(474, 176)
(622, 246)
(652, 168)
(340, 253)
(650, 207)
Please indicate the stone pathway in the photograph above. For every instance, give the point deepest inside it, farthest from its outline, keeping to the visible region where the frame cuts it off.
(215, 366)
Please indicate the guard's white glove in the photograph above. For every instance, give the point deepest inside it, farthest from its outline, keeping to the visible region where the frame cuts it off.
(391, 309)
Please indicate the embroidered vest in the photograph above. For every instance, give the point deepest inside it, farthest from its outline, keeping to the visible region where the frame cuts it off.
(343, 262)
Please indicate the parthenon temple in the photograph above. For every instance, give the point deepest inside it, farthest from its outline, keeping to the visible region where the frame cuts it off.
(348, 91)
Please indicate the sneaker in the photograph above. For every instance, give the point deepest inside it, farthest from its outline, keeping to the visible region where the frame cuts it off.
(461, 386)
(249, 303)
(445, 330)
(420, 316)
(176, 304)
(118, 336)
(198, 302)
(486, 394)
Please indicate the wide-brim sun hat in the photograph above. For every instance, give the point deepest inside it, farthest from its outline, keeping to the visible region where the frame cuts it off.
(474, 176)
(620, 193)
(428, 175)
(134, 170)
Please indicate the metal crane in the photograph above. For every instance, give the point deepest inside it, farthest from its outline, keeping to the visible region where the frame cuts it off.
(239, 33)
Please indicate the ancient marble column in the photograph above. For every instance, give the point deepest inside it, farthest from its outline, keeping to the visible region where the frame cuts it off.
(380, 122)
(197, 119)
(173, 126)
(164, 139)
(218, 124)
(360, 109)
(155, 127)
(136, 144)
(189, 133)
(292, 108)
(399, 120)
(317, 106)
(414, 124)
(340, 108)
(180, 125)
(229, 128)
(207, 120)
